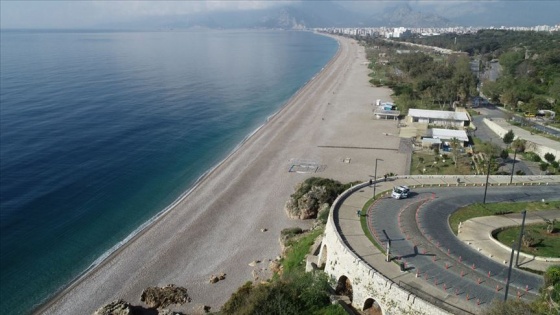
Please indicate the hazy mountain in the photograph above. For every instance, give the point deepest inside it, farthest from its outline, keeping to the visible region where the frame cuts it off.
(298, 15)
(309, 14)
(404, 15)
(144, 15)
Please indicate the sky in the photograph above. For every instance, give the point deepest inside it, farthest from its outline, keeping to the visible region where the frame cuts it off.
(45, 14)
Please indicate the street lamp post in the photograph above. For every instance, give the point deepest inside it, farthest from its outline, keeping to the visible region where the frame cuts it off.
(487, 175)
(509, 272)
(520, 239)
(375, 176)
(487, 178)
(513, 166)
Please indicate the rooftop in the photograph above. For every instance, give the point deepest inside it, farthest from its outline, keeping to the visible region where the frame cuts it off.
(438, 114)
(436, 133)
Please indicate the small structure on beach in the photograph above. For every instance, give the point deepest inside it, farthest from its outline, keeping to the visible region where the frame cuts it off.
(381, 113)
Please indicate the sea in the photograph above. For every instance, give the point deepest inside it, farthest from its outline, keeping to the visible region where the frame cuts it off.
(102, 130)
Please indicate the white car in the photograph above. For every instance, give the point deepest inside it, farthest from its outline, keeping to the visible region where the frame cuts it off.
(400, 192)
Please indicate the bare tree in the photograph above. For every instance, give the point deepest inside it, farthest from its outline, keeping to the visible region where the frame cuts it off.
(550, 225)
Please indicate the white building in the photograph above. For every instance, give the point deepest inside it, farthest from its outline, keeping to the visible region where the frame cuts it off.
(439, 118)
(443, 138)
(399, 32)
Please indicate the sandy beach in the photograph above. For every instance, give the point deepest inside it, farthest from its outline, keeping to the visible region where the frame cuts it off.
(217, 228)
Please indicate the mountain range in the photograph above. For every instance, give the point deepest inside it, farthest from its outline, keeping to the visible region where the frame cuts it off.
(299, 15)
(312, 14)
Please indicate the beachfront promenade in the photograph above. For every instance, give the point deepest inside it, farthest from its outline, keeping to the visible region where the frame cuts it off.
(443, 274)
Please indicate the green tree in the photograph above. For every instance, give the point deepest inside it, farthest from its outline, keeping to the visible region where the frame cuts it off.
(549, 157)
(491, 90)
(543, 166)
(555, 165)
(510, 60)
(509, 137)
(509, 98)
(504, 155)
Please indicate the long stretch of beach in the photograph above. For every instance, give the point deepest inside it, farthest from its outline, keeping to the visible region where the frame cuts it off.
(218, 227)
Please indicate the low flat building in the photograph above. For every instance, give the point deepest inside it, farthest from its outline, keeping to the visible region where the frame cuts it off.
(443, 137)
(457, 119)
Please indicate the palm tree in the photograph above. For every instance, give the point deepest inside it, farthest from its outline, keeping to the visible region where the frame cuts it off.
(455, 145)
(518, 145)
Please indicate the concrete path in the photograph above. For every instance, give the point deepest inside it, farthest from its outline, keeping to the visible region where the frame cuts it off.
(477, 232)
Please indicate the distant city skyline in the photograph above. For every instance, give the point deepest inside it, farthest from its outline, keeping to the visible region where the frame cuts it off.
(103, 14)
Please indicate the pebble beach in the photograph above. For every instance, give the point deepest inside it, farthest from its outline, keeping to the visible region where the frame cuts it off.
(234, 215)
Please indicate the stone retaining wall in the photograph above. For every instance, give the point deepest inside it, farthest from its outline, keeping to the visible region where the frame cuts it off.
(367, 284)
(539, 149)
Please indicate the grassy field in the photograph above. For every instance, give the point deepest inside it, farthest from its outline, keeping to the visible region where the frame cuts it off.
(481, 210)
(547, 245)
(423, 164)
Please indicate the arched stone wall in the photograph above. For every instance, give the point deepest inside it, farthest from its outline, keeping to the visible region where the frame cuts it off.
(344, 287)
(366, 282)
(371, 307)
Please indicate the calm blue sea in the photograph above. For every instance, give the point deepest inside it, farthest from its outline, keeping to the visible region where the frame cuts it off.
(100, 131)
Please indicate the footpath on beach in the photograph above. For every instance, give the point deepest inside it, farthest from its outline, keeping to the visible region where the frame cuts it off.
(475, 233)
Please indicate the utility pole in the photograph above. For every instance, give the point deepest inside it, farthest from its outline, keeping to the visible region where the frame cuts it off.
(520, 238)
(487, 178)
(512, 252)
(513, 166)
(487, 174)
(509, 272)
(375, 176)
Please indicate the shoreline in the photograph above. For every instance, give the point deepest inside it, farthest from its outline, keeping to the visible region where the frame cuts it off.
(215, 226)
(113, 251)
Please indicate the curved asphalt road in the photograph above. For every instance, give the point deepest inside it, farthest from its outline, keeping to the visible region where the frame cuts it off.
(420, 236)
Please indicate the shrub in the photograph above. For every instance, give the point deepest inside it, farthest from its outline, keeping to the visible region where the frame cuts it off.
(323, 215)
(295, 293)
(543, 166)
(549, 157)
(510, 307)
(532, 156)
(552, 276)
(333, 188)
(291, 232)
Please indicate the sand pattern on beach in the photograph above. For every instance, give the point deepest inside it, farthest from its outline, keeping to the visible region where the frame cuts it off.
(217, 228)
